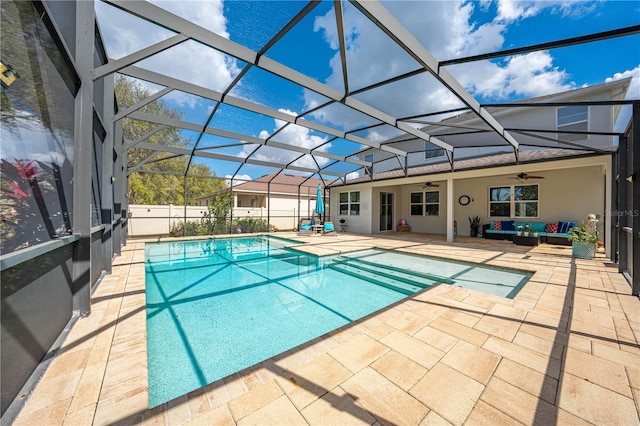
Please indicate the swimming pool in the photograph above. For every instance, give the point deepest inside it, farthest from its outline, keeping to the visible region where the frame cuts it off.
(215, 307)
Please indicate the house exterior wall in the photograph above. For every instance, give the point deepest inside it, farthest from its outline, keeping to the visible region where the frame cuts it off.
(601, 118)
(570, 190)
(362, 223)
(565, 195)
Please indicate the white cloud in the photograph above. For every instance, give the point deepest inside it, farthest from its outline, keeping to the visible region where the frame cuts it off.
(451, 33)
(238, 179)
(528, 75)
(294, 135)
(188, 61)
(634, 87)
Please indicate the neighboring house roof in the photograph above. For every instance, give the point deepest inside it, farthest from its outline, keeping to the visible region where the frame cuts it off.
(480, 162)
(281, 183)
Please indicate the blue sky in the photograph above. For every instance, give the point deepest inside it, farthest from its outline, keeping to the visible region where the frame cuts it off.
(448, 29)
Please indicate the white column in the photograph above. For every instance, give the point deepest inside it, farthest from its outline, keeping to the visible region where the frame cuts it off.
(450, 210)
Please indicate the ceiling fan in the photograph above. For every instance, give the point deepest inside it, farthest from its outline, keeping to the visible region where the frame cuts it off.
(430, 185)
(525, 176)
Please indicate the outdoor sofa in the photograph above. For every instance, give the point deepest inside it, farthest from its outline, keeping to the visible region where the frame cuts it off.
(549, 232)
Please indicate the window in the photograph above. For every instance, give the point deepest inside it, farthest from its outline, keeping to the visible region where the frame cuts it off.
(417, 206)
(573, 118)
(425, 203)
(350, 203)
(433, 153)
(514, 201)
(368, 170)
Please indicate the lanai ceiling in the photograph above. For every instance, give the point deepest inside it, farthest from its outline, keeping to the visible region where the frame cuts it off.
(265, 103)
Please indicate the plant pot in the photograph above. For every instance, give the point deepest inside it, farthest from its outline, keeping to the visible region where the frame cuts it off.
(474, 232)
(526, 234)
(583, 250)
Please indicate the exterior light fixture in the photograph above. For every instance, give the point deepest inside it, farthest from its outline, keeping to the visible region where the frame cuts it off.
(7, 74)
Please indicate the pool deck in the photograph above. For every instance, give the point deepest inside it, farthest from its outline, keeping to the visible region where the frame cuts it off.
(565, 350)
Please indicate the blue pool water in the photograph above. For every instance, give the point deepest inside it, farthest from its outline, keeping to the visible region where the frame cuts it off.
(217, 306)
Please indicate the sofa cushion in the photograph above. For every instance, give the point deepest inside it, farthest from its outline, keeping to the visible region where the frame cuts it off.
(305, 227)
(551, 228)
(508, 225)
(538, 226)
(496, 225)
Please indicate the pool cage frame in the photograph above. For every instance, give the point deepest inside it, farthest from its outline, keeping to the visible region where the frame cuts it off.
(41, 304)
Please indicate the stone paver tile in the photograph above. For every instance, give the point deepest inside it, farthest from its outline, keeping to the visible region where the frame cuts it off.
(580, 343)
(597, 370)
(522, 355)
(634, 377)
(358, 353)
(485, 414)
(177, 411)
(436, 338)
(280, 412)
(473, 361)
(84, 416)
(460, 331)
(254, 399)
(88, 390)
(616, 355)
(53, 413)
(385, 401)
(311, 381)
(414, 349)
(529, 380)
(221, 416)
(606, 336)
(448, 392)
(520, 405)
(594, 318)
(461, 317)
(501, 321)
(235, 386)
(336, 408)
(375, 328)
(52, 390)
(217, 393)
(434, 419)
(67, 362)
(407, 322)
(125, 406)
(399, 369)
(596, 404)
(420, 305)
(540, 345)
(198, 402)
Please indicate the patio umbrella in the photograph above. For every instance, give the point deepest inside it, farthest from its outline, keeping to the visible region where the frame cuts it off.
(319, 203)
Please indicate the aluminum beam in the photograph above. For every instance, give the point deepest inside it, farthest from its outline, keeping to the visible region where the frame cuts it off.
(397, 32)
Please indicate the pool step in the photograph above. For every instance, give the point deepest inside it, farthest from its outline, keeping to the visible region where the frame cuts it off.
(396, 271)
(384, 280)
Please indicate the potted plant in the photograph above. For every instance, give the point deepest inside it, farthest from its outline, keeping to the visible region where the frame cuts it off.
(583, 242)
(474, 223)
(526, 230)
(520, 230)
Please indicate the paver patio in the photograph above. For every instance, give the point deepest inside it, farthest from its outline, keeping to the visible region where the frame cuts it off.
(565, 350)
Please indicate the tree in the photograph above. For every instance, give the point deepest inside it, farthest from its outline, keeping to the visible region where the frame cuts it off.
(161, 179)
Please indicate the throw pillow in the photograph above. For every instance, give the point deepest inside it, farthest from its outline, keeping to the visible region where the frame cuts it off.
(508, 225)
(562, 227)
(551, 228)
(497, 225)
(570, 225)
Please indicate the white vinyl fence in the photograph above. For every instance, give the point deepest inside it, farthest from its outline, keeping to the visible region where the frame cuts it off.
(148, 220)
